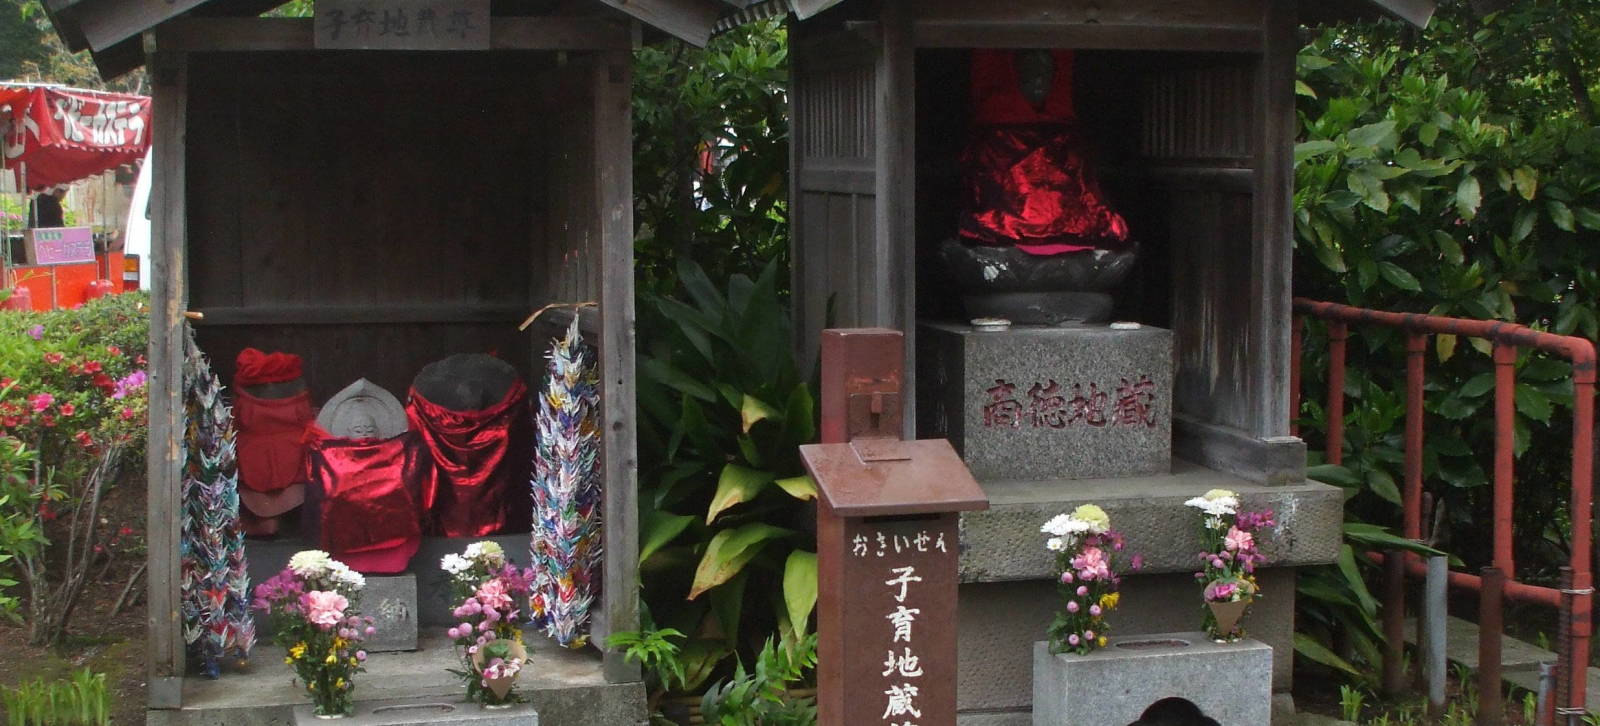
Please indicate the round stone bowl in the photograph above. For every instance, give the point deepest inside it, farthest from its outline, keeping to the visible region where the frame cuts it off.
(1005, 282)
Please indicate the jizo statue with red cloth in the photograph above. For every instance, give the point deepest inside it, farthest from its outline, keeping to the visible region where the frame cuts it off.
(1038, 241)
(470, 413)
(367, 471)
(271, 408)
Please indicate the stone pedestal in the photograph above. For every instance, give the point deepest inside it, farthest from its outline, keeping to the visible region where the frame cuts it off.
(1072, 402)
(391, 602)
(424, 712)
(1231, 683)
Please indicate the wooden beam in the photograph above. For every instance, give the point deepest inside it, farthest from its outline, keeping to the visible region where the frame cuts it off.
(107, 23)
(688, 20)
(168, 298)
(1416, 12)
(201, 35)
(940, 34)
(360, 314)
(806, 8)
(613, 194)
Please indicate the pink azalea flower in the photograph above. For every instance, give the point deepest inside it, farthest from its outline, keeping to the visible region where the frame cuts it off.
(41, 401)
(324, 609)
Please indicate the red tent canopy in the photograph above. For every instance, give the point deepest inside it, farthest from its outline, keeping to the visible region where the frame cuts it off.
(51, 135)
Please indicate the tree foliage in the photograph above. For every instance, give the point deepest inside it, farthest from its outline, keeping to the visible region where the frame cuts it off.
(1453, 171)
(711, 156)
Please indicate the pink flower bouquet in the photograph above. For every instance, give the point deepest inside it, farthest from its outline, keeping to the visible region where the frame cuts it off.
(1086, 548)
(488, 635)
(312, 608)
(1228, 561)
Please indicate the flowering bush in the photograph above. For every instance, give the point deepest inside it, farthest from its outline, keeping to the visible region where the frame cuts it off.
(1230, 557)
(1086, 551)
(312, 607)
(72, 390)
(493, 594)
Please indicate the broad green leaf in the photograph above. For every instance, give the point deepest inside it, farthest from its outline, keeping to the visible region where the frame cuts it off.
(1586, 216)
(1469, 196)
(1370, 188)
(1380, 135)
(1523, 226)
(1383, 485)
(1545, 369)
(1449, 247)
(800, 487)
(663, 372)
(801, 412)
(1533, 403)
(1397, 276)
(1301, 88)
(1310, 149)
(1333, 474)
(1478, 385)
(657, 529)
(1444, 346)
(1316, 652)
(1526, 181)
(754, 410)
(800, 589)
(1428, 133)
(727, 605)
(1353, 580)
(736, 485)
(1561, 215)
(729, 551)
(1329, 256)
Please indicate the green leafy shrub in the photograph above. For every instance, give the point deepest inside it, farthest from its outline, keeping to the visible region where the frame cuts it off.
(1452, 171)
(73, 392)
(724, 513)
(81, 700)
(711, 155)
(20, 534)
(762, 697)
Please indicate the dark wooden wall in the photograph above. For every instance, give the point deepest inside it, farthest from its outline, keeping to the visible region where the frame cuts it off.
(374, 212)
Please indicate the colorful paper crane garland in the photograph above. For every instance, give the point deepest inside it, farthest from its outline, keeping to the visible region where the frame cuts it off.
(566, 493)
(216, 612)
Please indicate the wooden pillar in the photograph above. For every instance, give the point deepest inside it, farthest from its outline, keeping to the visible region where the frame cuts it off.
(613, 155)
(894, 244)
(169, 297)
(1271, 239)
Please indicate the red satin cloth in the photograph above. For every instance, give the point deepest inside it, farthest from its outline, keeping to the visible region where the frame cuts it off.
(369, 493)
(1025, 182)
(253, 367)
(480, 461)
(271, 442)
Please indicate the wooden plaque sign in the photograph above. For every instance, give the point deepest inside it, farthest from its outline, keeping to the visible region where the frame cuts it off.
(58, 245)
(402, 24)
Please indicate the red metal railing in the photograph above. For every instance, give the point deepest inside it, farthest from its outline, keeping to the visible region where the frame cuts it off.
(1575, 596)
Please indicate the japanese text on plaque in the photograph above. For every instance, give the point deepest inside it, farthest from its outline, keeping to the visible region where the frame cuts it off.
(1130, 402)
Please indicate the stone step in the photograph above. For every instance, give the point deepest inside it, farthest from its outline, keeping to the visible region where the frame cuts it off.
(1519, 660)
(413, 712)
(564, 686)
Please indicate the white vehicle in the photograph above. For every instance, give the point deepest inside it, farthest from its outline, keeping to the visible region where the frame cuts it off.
(136, 234)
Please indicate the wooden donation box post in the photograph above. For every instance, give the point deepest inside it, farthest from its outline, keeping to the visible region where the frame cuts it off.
(887, 544)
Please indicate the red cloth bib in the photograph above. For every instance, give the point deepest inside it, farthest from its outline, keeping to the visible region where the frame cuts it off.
(368, 493)
(1024, 179)
(271, 442)
(480, 462)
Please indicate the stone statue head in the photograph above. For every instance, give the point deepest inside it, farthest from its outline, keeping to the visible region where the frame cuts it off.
(466, 381)
(363, 410)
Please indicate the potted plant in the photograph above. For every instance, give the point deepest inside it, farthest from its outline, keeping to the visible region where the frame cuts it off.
(1086, 550)
(1228, 561)
(488, 637)
(312, 607)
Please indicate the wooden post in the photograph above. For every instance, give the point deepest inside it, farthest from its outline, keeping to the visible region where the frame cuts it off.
(1271, 239)
(894, 243)
(169, 297)
(613, 154)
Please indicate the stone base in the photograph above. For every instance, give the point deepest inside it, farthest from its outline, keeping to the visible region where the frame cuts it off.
(391, 601)
(1230, 683)
(422, 713)
(1074, 402)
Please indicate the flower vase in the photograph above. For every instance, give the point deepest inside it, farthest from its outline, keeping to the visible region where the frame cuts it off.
(499, 689)
(1222, 625)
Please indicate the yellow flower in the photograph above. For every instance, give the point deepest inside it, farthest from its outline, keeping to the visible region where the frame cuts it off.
(1110, 600)
(297, 651)
(1097, 518)
(338, 643)
(1102, 641)
(339, 684)
(331, 659)
(288, 661)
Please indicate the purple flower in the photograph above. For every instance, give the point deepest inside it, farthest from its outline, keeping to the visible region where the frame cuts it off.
(1094, 610)
(1083, 590)
(1072, 606)
(1066, 578)
(1138, 562)
(1072, 639)
(361, 655)
(36, 332)
(369, 631)
(1088, 635)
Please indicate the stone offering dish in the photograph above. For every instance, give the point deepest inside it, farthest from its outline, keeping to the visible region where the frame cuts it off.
(1005, 282)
